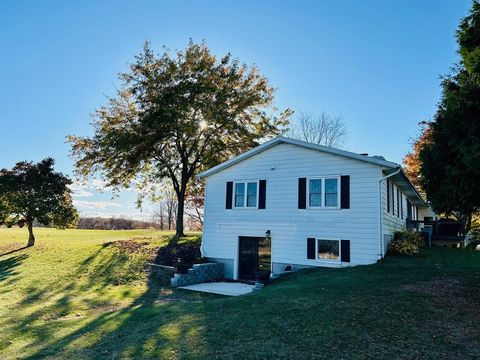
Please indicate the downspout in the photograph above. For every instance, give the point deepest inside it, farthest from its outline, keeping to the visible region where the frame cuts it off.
(382, 240)
(204, 217)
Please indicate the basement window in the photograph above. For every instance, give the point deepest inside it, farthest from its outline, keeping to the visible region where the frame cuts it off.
(328, 249)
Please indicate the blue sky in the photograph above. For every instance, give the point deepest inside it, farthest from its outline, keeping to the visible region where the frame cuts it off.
(376, 63)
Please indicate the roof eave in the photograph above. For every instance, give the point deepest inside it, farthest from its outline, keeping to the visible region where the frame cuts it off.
(247, 154)
(411, 187)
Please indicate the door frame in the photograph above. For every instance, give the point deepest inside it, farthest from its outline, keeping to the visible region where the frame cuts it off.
(238, 254)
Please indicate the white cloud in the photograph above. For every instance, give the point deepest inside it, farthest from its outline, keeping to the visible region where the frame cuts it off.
(99, 185)
(95, 205)
(92, 184)
(81, 193)
(92, 199)
(78, 185)
(79, 190)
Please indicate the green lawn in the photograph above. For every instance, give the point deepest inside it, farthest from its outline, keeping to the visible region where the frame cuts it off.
(72, 297)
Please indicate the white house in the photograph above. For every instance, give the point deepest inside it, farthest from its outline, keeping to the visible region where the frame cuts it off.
(288, 204)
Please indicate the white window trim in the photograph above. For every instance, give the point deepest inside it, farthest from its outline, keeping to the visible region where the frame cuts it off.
(323, 207)
(245, 182)
(317, 259)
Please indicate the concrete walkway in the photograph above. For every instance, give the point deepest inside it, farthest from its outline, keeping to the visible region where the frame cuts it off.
(222, 288)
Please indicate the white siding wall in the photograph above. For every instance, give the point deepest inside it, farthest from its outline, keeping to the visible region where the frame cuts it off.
(290, 226)
(423, 212)
(392, 222)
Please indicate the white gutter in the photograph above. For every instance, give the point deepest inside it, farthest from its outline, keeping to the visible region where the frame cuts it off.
(382, 240)
(204, 218)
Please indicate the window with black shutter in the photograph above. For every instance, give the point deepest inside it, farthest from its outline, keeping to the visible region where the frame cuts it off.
(328, 249)
(246, 194)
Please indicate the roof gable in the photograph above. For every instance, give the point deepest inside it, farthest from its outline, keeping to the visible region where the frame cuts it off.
(280, 139)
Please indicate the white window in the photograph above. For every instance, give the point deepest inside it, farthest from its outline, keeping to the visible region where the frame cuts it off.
(324, 192)
(331, 192)
(246, 194)
(315, 192)
(328, 250)
(239, 194)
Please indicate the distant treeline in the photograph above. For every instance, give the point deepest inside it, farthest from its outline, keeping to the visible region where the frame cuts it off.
(98, 223)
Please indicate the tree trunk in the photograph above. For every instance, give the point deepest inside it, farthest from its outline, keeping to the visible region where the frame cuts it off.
(468, 222)
(31, 238)
(180, 209)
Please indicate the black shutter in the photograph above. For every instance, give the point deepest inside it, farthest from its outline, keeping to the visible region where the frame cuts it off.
(229, 195)
(302, 193)
(401, 205)
(398, 202)
(345, 192)
(310, 248)
(345, 250)
(393, 199)
(262, 194)
(388, 195)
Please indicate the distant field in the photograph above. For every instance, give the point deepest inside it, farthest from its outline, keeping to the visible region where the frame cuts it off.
(72, 297)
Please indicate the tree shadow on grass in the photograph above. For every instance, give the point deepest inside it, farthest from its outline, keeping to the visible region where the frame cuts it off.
(152, 324)
(8, 266)
(310, 317)
(13, 251)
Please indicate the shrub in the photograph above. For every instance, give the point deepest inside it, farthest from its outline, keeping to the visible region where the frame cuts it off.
(406, 243)
(183, 266)
(173, 254)
(472, 245)
(188, 253)
(473, 239)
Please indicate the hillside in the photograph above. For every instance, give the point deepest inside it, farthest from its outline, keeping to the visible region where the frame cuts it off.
(72, 296)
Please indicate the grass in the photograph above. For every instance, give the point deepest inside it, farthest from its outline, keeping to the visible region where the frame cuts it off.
(71, 296)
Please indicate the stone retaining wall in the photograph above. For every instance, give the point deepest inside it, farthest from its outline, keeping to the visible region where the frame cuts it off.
(161, 273)
(198, 274)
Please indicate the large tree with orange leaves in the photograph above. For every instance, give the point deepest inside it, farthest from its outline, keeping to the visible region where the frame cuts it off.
(411, 161)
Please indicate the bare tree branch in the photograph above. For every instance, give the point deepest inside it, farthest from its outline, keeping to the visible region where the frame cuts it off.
(324, 130)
